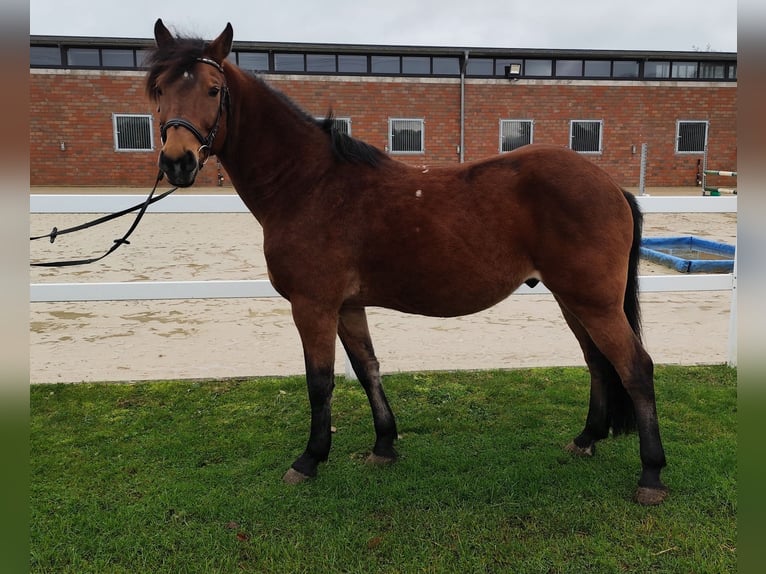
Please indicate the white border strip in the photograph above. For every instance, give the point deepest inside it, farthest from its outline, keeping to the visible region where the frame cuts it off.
(240, 289)
(229, 203)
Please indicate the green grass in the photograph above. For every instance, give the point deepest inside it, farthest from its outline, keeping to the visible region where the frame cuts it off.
(184, 476)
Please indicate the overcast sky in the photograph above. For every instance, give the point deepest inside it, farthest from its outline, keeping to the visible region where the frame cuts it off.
(567, 24)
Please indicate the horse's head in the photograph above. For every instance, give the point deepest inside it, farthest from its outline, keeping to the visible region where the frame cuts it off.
(186, 78)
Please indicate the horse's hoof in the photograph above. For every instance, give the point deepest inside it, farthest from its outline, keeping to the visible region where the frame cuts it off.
(650, 496)
(376, 459)
(578, 450)
(292, 476)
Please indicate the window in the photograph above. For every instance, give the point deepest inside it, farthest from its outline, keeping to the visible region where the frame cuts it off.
(598, 68)
(288, 63)
(141, 56)
(585, 136)
(83, 57)
(385, 65)
(684, 70)
(569, 68)
(691, 136)
(480, 67)
(406, 136)
(420, 65)
(342, 125)
(625, 69)
(320, 63)
(113, 58)
(254, 61)
(352, 64)
(44, 56)
(537, 68)
(446, 66)
(657, 70)
(514, 134)
(133, 132)
(712, 71)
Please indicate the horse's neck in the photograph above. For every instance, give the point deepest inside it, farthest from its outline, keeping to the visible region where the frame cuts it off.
(271, 155)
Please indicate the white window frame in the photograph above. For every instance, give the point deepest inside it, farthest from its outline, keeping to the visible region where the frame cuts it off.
(392, 122)
(149, 129)
(678, 135)
(600, 135)
(509, 122)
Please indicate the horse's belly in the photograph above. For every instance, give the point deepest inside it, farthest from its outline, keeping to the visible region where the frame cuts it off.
(438, 296)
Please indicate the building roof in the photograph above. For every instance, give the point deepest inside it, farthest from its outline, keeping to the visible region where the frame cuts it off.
(146, 43)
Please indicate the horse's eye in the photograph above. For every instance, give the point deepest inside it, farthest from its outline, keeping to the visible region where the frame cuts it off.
(214, 91)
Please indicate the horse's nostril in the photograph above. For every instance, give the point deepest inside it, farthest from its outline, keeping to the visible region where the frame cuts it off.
(186, 163)
(180, 170)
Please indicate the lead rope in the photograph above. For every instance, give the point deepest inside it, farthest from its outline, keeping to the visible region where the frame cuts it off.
(117, 242)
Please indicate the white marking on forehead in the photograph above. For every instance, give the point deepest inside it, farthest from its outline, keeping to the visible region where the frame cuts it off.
(188, 75)
(419, 193)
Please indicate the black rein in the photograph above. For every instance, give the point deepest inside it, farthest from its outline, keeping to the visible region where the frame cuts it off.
(55, 232)
(206, 145)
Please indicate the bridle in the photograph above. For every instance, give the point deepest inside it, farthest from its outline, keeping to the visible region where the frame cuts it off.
(206, 145)
(206, 142)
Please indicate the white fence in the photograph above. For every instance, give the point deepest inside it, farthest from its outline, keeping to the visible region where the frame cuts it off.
(143, 290)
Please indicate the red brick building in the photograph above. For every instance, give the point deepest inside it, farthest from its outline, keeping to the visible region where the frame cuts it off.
(92, 125)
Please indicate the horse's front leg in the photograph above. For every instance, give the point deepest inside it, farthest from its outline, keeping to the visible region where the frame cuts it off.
(355, 336)
(317, 328)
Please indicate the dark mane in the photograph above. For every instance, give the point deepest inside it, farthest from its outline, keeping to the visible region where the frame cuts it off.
(344, 147)
(349, 149)
(170, 63)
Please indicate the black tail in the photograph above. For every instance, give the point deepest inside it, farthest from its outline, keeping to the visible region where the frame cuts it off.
(631, 305)
(621, 410)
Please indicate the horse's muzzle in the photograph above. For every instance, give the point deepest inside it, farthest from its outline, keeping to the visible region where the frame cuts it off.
(180, 171)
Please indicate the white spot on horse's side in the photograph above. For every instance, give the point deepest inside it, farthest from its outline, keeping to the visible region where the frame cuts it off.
(419, 193)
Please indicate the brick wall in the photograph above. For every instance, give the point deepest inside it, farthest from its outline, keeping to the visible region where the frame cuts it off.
(76, 107)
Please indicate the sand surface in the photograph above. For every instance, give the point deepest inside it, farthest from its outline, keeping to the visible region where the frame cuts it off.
(139, 340)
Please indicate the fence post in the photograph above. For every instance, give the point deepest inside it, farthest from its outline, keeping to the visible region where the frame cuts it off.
(642, 173)
(733, 313)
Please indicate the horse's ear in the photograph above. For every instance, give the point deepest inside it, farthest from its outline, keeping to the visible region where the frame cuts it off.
(221, 46)
(162, 35)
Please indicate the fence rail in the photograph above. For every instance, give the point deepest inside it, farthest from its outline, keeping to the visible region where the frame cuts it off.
(255, 288)
(227, 203)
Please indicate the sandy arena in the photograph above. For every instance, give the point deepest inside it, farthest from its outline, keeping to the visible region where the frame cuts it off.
(129, 341)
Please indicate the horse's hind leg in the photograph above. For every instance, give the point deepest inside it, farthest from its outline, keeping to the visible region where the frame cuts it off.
(610, 406)
(609, 330)
(355, 336)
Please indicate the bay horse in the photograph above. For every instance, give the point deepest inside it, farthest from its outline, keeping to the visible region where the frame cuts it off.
(346, 227)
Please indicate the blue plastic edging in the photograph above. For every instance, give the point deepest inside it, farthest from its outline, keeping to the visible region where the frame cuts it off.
(650, 246)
